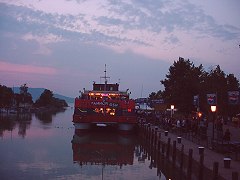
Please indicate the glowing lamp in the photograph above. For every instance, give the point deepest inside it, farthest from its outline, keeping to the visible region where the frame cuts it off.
(213, 108)
(199, 114)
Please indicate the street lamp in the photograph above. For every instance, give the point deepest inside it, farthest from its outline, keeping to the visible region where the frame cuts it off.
(213, 109)
(172, 109)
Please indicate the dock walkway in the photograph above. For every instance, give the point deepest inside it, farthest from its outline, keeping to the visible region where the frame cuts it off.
(210, 156)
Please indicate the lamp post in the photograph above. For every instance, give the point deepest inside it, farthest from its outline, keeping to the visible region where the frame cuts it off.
(172, 109)
(213, 109)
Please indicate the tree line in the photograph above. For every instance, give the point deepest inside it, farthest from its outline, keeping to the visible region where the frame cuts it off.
(185, 80)
(10, 99)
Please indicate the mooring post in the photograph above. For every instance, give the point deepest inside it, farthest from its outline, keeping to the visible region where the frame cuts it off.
(152, 136)
(215, 170)
(201, 166)
(144, 130)
(234, 175)
(168, 147)
(189, 169)
(148, 131)
(163, 148)
(182, 157)
(156, 136)
(159, 145)
(174, 153)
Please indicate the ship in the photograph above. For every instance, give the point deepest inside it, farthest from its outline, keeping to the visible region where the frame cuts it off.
(105, 106)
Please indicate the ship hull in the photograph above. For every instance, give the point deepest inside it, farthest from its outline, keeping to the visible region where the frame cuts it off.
(120, 123)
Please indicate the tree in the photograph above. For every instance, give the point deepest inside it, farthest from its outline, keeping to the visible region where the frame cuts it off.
(216, 82)
(182, 83)
(25, 96)
(232, 83)
(6, 96)
(45, 99)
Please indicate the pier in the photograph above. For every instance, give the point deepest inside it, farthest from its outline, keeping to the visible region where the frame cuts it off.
(186, 159)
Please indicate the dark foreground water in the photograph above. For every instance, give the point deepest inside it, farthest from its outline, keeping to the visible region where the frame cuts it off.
(45, 146)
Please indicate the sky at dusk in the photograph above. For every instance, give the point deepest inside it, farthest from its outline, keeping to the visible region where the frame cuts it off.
(63, 45)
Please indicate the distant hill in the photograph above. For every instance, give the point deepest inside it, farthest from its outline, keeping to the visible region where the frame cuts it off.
(36, 93)
(67, 99)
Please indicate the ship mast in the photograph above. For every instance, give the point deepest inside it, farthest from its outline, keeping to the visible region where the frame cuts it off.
(105, 78)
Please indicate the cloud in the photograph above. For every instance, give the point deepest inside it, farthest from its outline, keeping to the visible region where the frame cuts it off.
(27, 69)
(122, 26)
(42, 41)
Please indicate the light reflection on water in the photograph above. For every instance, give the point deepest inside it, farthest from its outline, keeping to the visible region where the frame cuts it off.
(46, 146)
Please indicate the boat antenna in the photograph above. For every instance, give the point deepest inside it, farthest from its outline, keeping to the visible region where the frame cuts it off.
(105, 78)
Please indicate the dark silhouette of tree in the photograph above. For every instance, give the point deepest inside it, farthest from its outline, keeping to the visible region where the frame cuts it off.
(47, 99)
(232, 83)
(25, 96)
(184, 80)
(6, 96)
(182, 83)
(216, 82)
(154, 95)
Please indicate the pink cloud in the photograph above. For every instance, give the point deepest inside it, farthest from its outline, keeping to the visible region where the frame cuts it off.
(29, 69)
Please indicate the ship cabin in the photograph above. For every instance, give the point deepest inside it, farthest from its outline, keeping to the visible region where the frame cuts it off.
(105, 91)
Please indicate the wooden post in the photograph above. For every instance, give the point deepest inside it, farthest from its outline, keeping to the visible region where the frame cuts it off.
(201, 166)
(156, 132)
(152, 136)
(159, 145)
(168, 147)
(215, 170)
(234, 175)
(182, 157)
(174, 153)
(163, 148)
(189, 169)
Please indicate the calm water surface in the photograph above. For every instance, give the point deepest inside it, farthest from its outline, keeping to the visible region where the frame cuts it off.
(47, 147)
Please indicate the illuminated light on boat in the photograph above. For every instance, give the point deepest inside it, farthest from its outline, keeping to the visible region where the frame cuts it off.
(112, 113)
(101, 125)
(82, 110)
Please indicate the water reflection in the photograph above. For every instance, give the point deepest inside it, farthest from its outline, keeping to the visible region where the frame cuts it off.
(103, 148)
(22, 121)
(47, 117)
(51, 149)
(110, 155)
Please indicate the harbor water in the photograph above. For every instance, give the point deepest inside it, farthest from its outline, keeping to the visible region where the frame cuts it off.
(46, 146)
